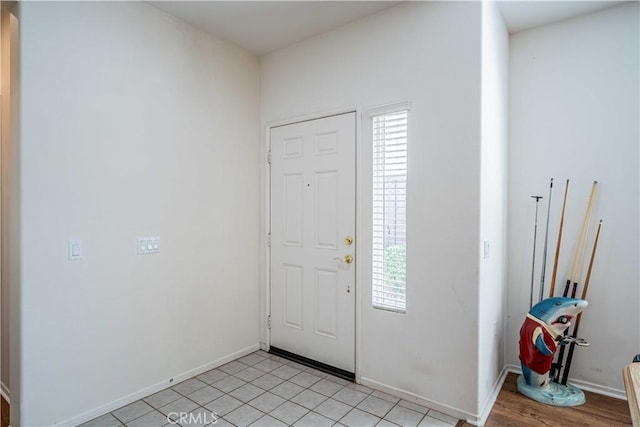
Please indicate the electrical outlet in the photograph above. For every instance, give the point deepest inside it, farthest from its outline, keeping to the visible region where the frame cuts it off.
(75, 250)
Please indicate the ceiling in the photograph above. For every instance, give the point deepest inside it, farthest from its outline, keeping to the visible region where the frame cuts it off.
(522, 15)
(264, 26)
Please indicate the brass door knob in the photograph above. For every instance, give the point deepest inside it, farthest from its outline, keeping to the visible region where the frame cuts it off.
(347, 258)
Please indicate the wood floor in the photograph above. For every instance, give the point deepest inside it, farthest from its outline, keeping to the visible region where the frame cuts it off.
(5, 413)
(514, 409)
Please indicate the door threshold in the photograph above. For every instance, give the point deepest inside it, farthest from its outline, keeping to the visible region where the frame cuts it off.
(340, 373)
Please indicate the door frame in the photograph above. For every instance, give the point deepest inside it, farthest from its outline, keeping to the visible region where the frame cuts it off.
(265, 226)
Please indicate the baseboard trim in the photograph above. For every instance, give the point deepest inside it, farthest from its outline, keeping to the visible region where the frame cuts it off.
(481, 419)
(420, 400)
(101, 410)
(585, 385)
(4, 391)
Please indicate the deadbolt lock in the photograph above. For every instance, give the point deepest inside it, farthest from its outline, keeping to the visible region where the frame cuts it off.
(348, 240)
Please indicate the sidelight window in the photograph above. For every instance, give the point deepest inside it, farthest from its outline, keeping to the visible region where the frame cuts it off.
(390, 210)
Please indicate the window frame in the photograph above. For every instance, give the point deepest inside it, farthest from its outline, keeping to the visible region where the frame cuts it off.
(403, 106)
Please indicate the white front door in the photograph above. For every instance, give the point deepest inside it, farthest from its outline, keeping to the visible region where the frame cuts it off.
(313, 215)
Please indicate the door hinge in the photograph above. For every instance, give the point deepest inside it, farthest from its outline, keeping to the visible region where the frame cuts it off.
(269, 157)
(269, 240)
(269, 322)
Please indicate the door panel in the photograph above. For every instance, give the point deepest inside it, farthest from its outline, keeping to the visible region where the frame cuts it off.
(293, 296)
(312, 211)
(293, 210)
(326, 210)
(327, 288)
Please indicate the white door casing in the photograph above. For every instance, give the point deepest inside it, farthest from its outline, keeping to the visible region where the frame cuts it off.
(313, 210)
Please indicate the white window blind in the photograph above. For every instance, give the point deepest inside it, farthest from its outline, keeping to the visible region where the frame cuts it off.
(390, 210)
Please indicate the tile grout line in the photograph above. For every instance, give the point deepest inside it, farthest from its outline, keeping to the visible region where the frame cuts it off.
(301, 369)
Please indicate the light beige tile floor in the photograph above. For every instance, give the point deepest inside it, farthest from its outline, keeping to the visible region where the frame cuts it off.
(266, 390)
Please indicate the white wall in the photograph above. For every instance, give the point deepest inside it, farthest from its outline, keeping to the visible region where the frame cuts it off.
(574, 114)
(132, 124)
(493, 204)
(428, 53)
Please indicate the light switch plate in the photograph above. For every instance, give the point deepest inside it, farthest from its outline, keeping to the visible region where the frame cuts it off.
(148, 245)
(75, 250)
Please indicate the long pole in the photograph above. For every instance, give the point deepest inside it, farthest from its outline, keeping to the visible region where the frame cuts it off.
(567, 368)
(533, 261)
(580, 247)
(576, 268)
(555, 262)
(546, 240)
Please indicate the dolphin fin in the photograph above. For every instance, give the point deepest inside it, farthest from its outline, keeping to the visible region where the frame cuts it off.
(542, 346)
